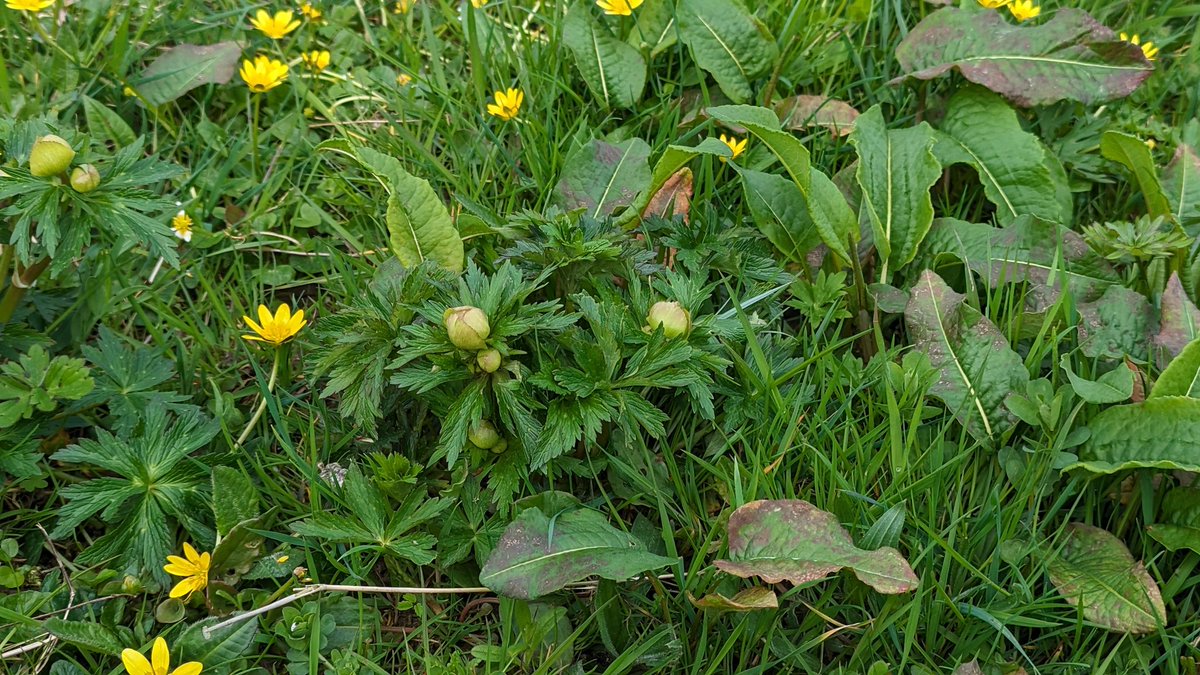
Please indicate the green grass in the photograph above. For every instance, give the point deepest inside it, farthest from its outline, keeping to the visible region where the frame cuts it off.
(829, 416)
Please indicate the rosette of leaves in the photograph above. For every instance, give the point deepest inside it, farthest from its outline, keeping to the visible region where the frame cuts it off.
(49, 221)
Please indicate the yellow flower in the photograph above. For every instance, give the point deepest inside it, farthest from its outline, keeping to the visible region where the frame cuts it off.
(507, 105)
(404, 79)
(275, 27)
(1148, 48)
(478, 4)
(735, 146)
(276, 329)
(264, 74)
(159, 663)
(1024, 10)
(316, 60)
(193, 568)
(994, 4)
(311, 13)
(618, 7)
(402, 6)
(182, 224)
(28, 5)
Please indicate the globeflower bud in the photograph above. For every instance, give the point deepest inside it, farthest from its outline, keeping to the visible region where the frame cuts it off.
(467, 327)
(85, 178)
(50, 156)
(483, 435)
(674, 319)
(488, 360)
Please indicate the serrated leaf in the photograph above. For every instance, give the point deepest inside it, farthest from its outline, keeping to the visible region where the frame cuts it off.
(218, 651)
(1158, 433)
(980, 129)
(1180, 520)
(1181, 377)
(1179, 319)
(1119, 323)
(235, 499)
(1095, 571)
(792, 540)
(182, 68)
(748, 600)
(728, 42)
(896, 169)
(602, 177)
(977, 369)
(104, 122)
(806, 111)
(1132, 153)
(1071, 56)
(86, 634)
(537, 555)
(614, 71)
(1181, 183)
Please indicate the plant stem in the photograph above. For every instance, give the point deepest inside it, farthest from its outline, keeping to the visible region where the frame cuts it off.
(262, 405)
(254, 135)
(22, 280)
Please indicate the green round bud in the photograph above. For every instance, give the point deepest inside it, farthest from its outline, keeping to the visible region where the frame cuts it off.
(50, 156)
(467, 327)
(483, 435)
(500, 447)
(674, 319)
(488, 360)
(85, 178)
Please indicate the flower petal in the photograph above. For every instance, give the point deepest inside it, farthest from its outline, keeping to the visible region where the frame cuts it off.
(160, 657)
(264, 316)
(283, 314)
(190, 553)
(135, 663)
(189, 668)
(180, 569)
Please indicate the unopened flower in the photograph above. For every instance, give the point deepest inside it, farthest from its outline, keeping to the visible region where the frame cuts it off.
(193, 567)
(1148, 48)
(467, 327)
(483, 435)
(316, 60)
(50, 156)
(275, 26)
(1024, 10)
(507, 105)
(488, 360)
(264, 73)
(85, 178)
(159, 663)
(181, 224)
(311, 13)
(618, 7)
(275, 329)
(671, 316)
(735, 146)
(28, 5)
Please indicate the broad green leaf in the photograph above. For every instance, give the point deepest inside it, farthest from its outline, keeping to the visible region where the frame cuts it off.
(417, 220)
(236, 551)
(1181, 376)
(1094, 571)
(831, 215)
(1181, 183)
(89, 635)
(747, 600)
(896, 169)
(1071, 56)
(104, 122)
(1159, 433)
(764, 125)
(614, 71)
(1179, 516)
(540, 554)
(1115, 386)
(1028, 250)
(781, 213)
(978, 369)
(728, 42)
(1179, 319)
(182, 68)
(1120, 323)
(220, 648)
(805, 111)
(1132, 153)
(792, 540)
(980, 129)
(235, 498)
(603, 177)
(654, 31)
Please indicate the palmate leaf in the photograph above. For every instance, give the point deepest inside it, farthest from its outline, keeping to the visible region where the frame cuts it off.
(1071, 56)
(35, 382)
(127, 380)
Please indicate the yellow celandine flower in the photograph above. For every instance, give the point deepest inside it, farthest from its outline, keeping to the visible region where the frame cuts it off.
(735, 146)
(404, 79)
(311, 13)
(1148, 48)
(275, 27)
(316, 60)
(276, 329)
(994, 4)
(159, 663)
(264, 74)
(182, 224)
(1024, 10)
(28, 5)
(478, 4)
(193, 567)
(402, 6)
(618, 7)
(507, 105)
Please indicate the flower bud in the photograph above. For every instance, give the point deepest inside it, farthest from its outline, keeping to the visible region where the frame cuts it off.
(467, 327)
(500, 447)
(50, 156)
(85, 178)
(488, 360)
(674, 319)
(483, 435)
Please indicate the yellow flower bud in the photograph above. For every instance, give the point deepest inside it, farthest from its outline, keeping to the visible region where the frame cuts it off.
(674, 319)
(50, 156)
(483, 435)
(467, 327)
(85, 178)
(488, 360)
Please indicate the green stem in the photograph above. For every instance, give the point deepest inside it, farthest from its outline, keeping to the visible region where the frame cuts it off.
(262, 405)
(41, 30)
(254, 135)
(22, 280)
